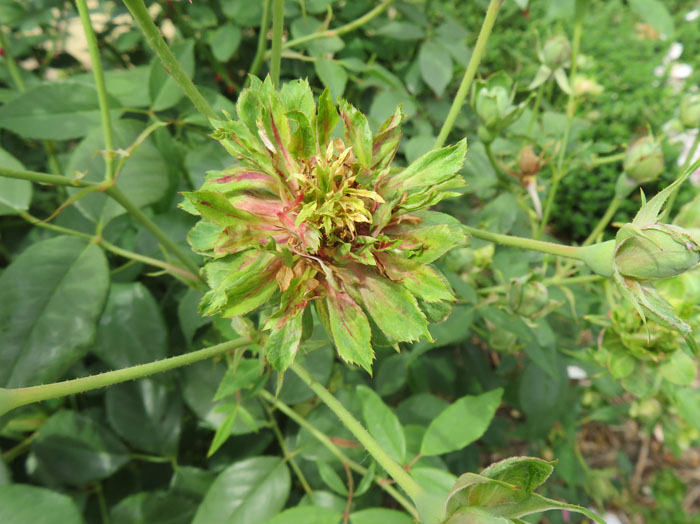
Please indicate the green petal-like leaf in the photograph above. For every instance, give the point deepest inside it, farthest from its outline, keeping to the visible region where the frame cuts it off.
(283, 343)
(350, 329)
(326, 120)
(432, 168)
(422, 280)
(216, 208)
(393, 308)
(357, 132)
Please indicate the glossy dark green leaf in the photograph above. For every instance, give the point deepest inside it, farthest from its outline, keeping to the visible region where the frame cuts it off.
(379, 516)
(332, 479)
(143, 178)
(435, 66)
(54, 111)
(463, 422)
(307, 515)
(15, 194)
(188, 311)
(164, 90)
(333, 75)
(74, 450)
(383, 424)
(50, 299)
(23, 504)
(157, 507)
(200, 383)
(131, 329)
(147, 414)
(250, 491)
(224, 41)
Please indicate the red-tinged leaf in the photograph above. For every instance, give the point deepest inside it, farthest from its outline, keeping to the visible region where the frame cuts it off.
(434, 167)
(358, 133)
(238, 140)
(248, 105)
(282, 344)
(386, 141)
(217, 208)
(303, 143)
(236, 277)
(422, 280)
(275, 132)
(235, 239)
(267, 208)
(427, 244)
(239, 179)
(250, 295)
(392, 307)
(297, 96)
(350, 329)
(326, 120)
(203, 237)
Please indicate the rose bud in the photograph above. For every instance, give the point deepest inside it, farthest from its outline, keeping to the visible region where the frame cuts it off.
(690, 110)
(644, 161)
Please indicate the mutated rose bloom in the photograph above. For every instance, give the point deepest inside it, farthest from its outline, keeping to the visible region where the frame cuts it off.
(307, 218)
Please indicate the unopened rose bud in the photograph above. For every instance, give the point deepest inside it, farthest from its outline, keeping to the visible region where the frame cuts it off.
(644, 161)
(528, 299)
(658, 251)
(492, 104)
(556, 52)
(690, 110)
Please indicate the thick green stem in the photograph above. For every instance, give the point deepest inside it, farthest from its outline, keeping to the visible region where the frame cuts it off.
(600, 160)
(277, 29)
(14, 398)
(558, 173)
(351, 26)
(553, 281)
(262, 39)
(44, 178)
(526, 243)
(336, 451)
(402, 478)
(98, 73)
(172, 66)
(116, 193)
(474, 61)
(604, 221)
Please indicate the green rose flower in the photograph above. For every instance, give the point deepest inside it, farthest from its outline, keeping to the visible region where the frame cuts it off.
(305, 219)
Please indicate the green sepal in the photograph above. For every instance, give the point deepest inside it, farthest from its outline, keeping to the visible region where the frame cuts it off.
(350, 329)
(386, 142)
(358, 133)
(422, 280)
(393, 308)
(326, 120)
(283, 343)
(216, 208)
(433, 168)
